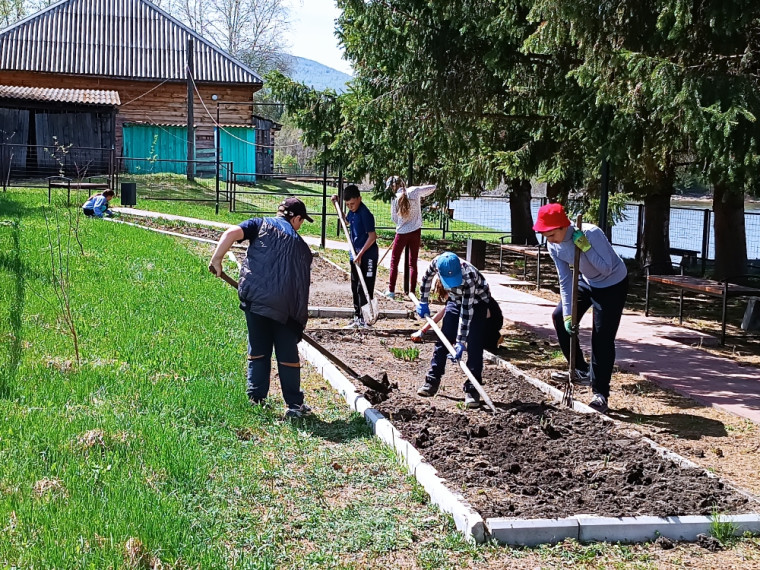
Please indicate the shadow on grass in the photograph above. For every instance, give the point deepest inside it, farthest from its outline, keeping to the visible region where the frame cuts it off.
(338, 431)
(687, 426)
(11, 261)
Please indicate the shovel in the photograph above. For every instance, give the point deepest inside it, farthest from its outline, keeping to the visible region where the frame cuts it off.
(383, 385)
(370, 311)
(567, 396)
(453, 352)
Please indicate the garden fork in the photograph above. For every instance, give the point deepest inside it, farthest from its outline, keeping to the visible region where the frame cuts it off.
(567, 396)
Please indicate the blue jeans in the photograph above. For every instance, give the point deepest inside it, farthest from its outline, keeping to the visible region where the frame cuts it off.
(608, 303)
(265, 334)
(475, 340)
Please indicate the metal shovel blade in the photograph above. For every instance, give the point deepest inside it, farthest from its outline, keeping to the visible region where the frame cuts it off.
(370, 312)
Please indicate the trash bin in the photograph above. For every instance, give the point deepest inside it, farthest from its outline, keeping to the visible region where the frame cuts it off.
(476, 253)
(129, 194)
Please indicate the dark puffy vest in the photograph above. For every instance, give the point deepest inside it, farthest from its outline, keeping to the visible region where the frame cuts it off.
(276, 274)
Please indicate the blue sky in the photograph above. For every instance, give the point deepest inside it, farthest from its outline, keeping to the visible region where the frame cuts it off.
(312, 33)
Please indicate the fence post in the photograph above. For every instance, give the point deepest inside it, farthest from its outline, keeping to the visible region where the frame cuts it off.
(2, 164)
(705, 238)
(340, 197)
(232, 182)
(217, 153)
(639, 228)
(324, 203)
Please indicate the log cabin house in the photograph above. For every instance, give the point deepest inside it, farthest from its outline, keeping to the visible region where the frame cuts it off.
(109, 76)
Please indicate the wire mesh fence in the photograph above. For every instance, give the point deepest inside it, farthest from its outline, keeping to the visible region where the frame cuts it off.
(483, 217)
(167, 179)
(30, 166)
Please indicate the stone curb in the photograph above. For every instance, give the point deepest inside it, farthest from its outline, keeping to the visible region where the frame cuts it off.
(344, 312)
(467, 521)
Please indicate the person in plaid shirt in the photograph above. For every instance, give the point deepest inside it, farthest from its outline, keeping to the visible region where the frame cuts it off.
(463, 321)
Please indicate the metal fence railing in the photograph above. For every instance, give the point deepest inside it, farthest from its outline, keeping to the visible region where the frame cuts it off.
(31, 165)
(691, 229)
(483, 217)
(167, 179)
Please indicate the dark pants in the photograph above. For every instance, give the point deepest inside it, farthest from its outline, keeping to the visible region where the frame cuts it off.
(264, 334)
(608, 303)
(493, 326)
(88, 212)
(475, 340)
(412, 240)
(369, 270)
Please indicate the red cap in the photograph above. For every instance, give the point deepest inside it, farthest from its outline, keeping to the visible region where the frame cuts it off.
(551, 217)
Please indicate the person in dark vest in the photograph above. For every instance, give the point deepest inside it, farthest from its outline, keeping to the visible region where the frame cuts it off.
(274, 293)
(603, 285)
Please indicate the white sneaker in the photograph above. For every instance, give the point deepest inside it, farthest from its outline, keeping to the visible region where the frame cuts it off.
(390, 294)
(599, 403)
(354, 324)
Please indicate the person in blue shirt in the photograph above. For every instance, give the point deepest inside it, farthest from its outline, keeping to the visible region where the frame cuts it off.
(97, 205)
(603, 285)
(274, 293)
(361, 227)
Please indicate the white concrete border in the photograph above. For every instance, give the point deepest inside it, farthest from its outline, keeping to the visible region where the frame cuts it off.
(467, 521)
(528, 532)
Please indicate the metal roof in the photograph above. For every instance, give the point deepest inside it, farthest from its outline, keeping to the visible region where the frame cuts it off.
(84, 96)
(125, 39)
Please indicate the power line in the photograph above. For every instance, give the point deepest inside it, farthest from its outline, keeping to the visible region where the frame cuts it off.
(220, 127)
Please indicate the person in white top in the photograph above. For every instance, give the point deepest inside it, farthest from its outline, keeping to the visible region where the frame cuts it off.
(406, 213)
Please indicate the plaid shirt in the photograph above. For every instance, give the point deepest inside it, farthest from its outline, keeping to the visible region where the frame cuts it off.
(473, 290)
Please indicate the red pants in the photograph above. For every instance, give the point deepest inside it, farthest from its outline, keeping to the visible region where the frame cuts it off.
(412, 239)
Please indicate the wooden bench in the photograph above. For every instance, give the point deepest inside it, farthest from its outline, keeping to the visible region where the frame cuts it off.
(68, 183)
(722, 289)
(536, 252)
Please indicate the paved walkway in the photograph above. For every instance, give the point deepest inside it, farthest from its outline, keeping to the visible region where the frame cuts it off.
(658, 351)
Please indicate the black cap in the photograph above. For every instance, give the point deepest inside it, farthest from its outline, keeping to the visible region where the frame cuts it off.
(292, 207)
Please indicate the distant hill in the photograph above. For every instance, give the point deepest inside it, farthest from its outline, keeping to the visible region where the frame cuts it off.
(316, 75)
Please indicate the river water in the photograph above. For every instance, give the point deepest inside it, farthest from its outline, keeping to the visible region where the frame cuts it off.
(686, 222)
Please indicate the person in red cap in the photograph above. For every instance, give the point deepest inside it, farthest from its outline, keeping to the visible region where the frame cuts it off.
(274, 293)
(603, 285)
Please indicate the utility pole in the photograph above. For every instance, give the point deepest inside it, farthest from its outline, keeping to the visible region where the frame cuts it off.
(190, 117)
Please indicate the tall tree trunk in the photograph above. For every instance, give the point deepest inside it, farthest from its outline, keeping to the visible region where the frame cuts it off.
(655, 237)
(730, 233)
(520, 215)
(558, 192)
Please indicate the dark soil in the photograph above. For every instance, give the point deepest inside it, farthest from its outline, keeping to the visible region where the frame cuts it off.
(534, 459)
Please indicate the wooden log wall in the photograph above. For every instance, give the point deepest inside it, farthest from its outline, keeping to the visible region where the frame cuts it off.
(166, 104)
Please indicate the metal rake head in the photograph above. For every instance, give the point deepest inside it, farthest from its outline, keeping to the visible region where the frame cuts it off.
(567, 395)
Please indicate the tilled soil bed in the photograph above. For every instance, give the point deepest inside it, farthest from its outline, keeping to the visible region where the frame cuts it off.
(534, 459)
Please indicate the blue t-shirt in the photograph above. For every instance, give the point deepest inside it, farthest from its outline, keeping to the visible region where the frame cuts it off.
(361, 223)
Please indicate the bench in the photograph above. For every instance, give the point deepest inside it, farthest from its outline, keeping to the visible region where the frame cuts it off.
(536, 252)
(68, 183)
(722, 289)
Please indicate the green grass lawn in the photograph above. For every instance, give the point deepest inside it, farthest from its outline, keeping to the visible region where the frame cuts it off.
(149, 444)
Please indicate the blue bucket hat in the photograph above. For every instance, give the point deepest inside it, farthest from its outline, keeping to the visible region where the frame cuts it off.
(449, 270)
